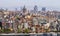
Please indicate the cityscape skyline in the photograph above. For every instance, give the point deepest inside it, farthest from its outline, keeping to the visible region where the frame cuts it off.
(49, 4)
(29, 17)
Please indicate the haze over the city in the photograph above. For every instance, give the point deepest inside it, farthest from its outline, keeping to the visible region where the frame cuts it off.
(49, 4)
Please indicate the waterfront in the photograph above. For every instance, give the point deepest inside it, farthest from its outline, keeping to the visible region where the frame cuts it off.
(31, 34)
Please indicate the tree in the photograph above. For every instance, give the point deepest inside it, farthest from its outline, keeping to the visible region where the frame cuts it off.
(26, 30)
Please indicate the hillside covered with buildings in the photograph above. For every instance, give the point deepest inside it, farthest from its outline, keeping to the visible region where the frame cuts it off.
(29, 21)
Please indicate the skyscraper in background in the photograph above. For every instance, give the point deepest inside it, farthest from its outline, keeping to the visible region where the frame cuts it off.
(24, 9)
(43, 8)
(35, 8)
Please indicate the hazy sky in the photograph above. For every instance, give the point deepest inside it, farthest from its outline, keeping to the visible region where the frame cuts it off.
(55, 4)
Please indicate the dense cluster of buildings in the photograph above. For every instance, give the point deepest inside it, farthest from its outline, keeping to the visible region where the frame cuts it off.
(25, 21)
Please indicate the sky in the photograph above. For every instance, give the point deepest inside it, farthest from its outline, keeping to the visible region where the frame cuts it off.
(50, 4)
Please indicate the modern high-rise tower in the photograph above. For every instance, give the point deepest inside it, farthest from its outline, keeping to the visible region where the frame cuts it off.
(24, 9)
(35, 8)
(43, 9)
